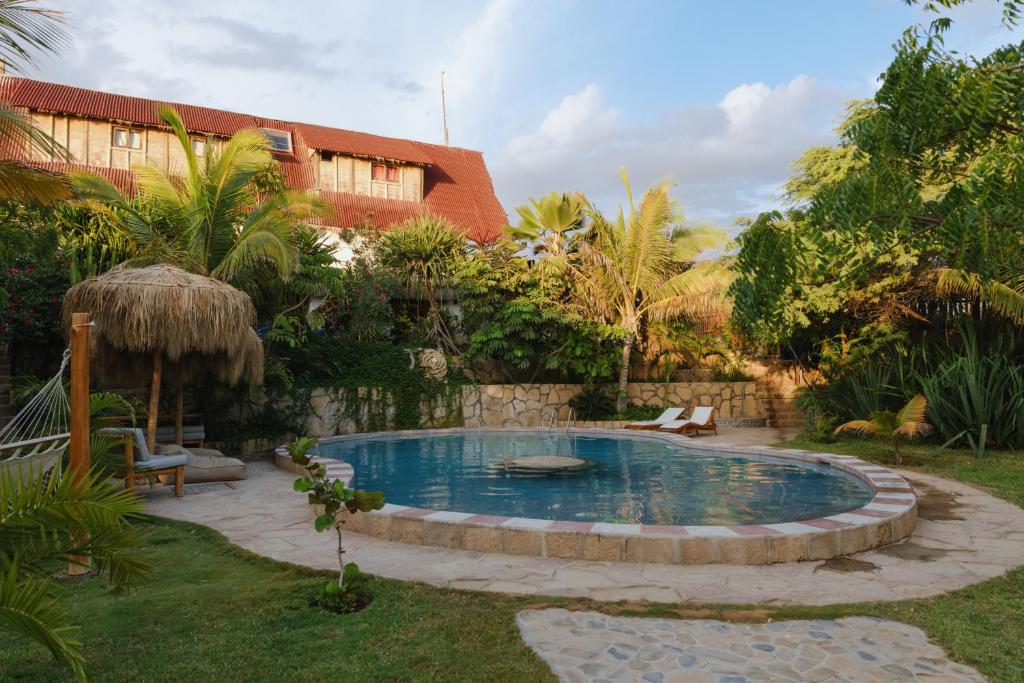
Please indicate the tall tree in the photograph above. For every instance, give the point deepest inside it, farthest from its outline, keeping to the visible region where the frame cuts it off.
(919, 210)
(213, 219)
(636, 269)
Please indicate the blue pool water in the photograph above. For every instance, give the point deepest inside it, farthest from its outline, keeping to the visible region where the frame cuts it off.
(635, 479)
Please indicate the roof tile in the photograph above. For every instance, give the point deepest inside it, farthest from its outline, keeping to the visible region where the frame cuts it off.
(457, 186)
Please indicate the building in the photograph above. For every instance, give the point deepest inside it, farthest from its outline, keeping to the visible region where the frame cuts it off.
(364, 179)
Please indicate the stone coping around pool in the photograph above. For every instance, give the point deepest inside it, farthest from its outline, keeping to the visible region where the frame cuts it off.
(890, 516)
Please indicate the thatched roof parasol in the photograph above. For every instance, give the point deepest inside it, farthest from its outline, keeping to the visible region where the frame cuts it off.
(144, 316)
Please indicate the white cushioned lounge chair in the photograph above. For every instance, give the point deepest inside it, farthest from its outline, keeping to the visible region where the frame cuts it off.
(703, 418)
(668, 416)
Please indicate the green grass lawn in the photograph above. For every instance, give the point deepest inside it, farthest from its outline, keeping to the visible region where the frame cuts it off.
(213, 612)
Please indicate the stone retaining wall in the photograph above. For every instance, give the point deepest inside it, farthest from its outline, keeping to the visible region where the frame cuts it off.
(532, 405)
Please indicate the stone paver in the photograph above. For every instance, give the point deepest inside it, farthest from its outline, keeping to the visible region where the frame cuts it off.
(590, 646)
(963, 536)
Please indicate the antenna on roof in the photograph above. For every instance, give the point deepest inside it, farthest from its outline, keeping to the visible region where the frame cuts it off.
(444, 110)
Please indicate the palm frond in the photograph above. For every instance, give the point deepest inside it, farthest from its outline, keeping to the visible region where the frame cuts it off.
(914, 430)
(1003, 298)
(859, 427)
(913, 411)
(19, 181)
(27, 609)
(26, 28)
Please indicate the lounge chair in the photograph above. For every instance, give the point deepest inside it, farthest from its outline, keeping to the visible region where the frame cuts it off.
(139, 459)
(668, 416)
(703, 418)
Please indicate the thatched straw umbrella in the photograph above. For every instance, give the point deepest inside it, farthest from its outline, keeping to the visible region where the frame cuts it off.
(146, 316)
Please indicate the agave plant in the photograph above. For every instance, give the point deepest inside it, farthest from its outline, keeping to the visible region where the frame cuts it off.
(893, 428)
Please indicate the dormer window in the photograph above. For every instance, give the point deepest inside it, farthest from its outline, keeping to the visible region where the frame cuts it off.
(280, 140)
(385, 173)
(127, 139)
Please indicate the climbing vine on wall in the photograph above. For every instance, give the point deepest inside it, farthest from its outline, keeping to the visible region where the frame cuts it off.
(377, 385)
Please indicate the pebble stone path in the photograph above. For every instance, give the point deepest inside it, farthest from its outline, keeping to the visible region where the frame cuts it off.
(594, 647)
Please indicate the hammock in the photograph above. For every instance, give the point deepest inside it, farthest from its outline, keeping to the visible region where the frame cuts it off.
(33, 442)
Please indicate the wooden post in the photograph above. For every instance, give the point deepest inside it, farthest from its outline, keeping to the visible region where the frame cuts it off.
(78, 449)
(129, 464)
(154, 401)
(179, 411)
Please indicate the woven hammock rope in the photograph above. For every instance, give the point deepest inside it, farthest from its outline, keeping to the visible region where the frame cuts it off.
(38, 435)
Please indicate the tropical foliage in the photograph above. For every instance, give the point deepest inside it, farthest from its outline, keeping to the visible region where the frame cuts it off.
(893, 427)
(213, 219)
(422, 255)
(916, 215)
(46, 524)
(638, 269)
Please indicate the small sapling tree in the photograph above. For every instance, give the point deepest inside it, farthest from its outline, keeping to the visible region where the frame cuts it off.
(346, 594)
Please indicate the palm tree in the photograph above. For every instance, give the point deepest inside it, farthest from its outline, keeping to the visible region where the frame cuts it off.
(60, 521)
(423, 254)
(546, 224)
(635, 269)
(212, 220)
(25, 30)
(893, 428)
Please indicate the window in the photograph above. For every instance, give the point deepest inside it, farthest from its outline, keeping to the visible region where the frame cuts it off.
(280, 140)
(129, 139)
(326, 156)
(385, 173)
(198, 147)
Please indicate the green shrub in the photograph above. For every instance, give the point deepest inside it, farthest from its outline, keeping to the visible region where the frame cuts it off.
(635, 413)
(981, 396)
(593, 403)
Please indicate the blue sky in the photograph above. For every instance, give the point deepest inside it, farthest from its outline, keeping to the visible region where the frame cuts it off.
(720, 97)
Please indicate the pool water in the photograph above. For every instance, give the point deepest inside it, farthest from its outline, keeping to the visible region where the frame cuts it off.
(633, 480)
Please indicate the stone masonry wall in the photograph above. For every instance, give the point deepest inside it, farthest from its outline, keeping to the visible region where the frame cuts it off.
(532, 405)
(329, 415)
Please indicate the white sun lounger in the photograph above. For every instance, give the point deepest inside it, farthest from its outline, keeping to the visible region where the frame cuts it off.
(703, 418)
(667, 416)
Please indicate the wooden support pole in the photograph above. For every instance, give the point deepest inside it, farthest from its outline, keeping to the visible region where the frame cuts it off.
(179, 411)
(129, 464)
(78, 448)
(154, 401)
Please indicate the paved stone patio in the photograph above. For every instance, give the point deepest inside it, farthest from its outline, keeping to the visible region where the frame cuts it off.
(963, 536)
(590, 646)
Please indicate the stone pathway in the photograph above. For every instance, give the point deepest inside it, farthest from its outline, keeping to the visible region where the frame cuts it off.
(964, 536)
(590, 646)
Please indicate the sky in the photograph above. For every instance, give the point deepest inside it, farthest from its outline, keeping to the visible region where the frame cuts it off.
(717, 97)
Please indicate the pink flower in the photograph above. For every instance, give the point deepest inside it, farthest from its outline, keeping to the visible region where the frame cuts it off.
(381, 297)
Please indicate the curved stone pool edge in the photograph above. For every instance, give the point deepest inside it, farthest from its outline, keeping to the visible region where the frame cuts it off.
(889, 516)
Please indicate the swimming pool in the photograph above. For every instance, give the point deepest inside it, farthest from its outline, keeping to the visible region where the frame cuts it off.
(635, 479)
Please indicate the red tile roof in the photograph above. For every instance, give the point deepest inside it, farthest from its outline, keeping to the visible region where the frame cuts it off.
(122, 178)
(360, 144)
(457, 186)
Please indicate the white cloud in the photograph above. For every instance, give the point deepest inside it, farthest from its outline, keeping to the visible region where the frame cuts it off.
(364, 66)
(728, 158)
